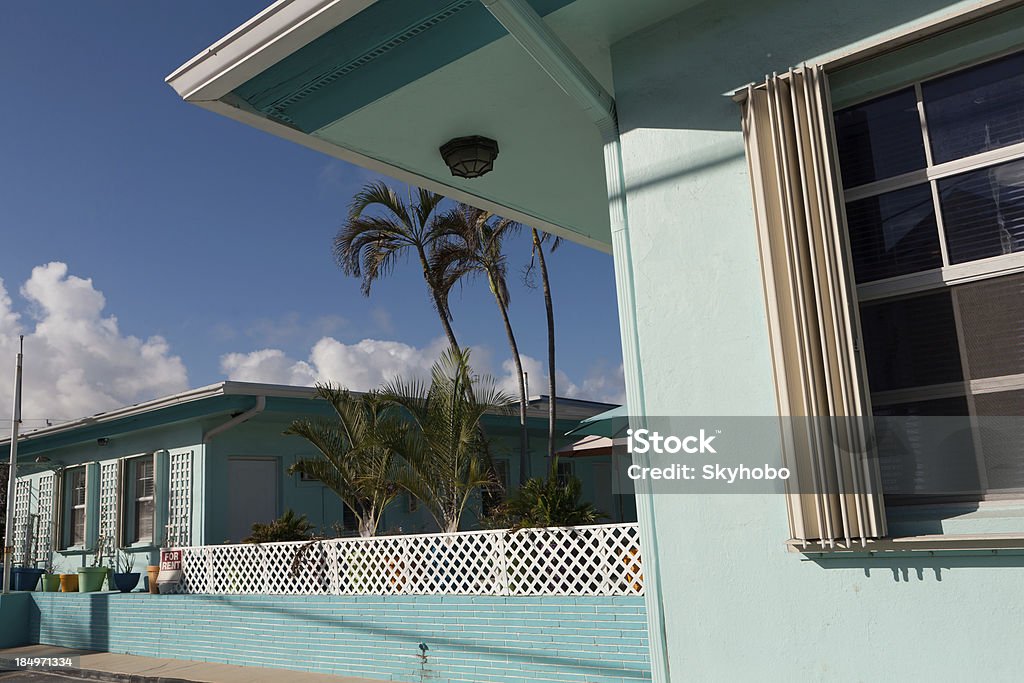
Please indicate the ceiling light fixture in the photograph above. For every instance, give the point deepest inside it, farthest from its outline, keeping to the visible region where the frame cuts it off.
(469, 157)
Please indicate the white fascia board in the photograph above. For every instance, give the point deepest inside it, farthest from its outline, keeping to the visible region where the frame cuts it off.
(258, 44)
(256, 120)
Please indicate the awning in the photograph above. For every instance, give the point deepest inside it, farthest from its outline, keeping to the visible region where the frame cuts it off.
(610, 423)
(590, 446)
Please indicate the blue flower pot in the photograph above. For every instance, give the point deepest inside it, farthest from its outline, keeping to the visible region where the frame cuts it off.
(126, 583)
(25, 578)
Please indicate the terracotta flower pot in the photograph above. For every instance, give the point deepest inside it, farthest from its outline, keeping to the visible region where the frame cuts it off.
(69, 583)
(152, 572)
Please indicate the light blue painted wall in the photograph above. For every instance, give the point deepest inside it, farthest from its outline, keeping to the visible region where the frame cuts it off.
(15, 610)
(737, 606)
(470, 639)
(180, 436)
(263, 436)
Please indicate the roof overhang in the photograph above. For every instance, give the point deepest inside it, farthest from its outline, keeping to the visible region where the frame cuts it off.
(384, 83)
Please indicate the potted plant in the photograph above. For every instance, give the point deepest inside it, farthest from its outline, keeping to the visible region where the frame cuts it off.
(25, 578)
(91, 578)
(125, 580)
(152, 574)
(68, 583)
(51, 580)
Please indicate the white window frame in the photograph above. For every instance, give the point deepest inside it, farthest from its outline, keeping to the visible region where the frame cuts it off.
(947, 275)
(68, 508)
(129, 484)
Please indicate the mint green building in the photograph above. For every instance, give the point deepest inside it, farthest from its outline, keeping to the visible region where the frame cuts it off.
(201, 467)
(842, 239)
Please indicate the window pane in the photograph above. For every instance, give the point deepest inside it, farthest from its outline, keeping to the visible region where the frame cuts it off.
(992, 319)
(975, 110)
(893, 234)
(144, 479)
(1001, 436)
(983, 212)
(879, 139)
(78, 487)
(78, 526)
(926, 448)
(911, 342)
(143, 520)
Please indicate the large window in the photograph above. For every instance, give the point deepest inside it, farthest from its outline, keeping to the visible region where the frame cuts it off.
(142, 496)
(75, 506)
(139, 491)
(933, 176)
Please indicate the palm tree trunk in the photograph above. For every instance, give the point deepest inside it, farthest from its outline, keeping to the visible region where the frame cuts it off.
(438, 304)
(549, 309)
(524, 448)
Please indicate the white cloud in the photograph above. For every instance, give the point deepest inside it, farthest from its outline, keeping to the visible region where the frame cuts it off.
(77, 362)
(360, 366)
(372, 362)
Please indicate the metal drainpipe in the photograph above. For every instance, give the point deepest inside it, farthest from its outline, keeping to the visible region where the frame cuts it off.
(261, 403)
(563, 67)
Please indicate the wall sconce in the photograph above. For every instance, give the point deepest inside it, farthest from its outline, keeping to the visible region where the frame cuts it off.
(469, 157)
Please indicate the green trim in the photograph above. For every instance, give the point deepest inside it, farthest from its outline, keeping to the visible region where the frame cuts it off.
(374, 53)
(29, 446)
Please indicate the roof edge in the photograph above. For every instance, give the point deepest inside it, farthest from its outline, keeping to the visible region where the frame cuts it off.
(260, 42)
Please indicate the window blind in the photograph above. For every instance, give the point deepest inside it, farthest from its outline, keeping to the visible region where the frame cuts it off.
(835, 498)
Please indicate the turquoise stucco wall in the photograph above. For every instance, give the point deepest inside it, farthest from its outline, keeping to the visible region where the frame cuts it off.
(263, 436)
(470, 639)
(736, 604)
(186, 435)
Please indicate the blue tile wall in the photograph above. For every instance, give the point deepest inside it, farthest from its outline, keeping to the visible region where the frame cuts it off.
(470, 639)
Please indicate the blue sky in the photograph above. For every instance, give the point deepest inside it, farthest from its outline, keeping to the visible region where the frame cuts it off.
(208, 234)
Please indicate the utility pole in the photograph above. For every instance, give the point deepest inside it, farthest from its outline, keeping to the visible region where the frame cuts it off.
(12, 472)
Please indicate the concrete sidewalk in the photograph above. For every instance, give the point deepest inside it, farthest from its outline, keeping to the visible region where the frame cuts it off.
(106, 666)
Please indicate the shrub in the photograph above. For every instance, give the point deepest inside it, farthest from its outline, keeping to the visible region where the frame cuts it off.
(287, 527)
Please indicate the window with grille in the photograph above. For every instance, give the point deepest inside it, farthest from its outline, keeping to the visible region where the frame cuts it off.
(139, 490)
(565, 472)
(933, 178)
(74, 534)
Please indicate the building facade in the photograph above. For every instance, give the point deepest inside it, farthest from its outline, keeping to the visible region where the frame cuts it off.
(201, 467)
(882, 171)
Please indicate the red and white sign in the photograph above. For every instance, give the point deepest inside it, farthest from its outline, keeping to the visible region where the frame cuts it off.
(170, 570)
(170, 560)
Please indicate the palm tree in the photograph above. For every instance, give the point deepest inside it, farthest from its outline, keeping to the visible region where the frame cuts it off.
(444, 446)
(472, 244)
(538, 254)
(381, 228)
(358, 462)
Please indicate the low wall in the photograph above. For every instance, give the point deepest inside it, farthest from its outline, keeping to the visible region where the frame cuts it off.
(471, 639)
(15, 609)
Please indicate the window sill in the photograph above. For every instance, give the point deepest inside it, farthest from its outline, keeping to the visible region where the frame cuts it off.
(988, 544)
(989, 527)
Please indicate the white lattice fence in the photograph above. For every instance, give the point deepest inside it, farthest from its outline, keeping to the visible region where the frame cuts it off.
(591, 560)
(108, 501)
(44, 540)
(22, 495)
(179, 512)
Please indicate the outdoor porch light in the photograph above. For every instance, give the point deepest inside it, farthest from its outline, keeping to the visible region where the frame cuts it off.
(469, 157)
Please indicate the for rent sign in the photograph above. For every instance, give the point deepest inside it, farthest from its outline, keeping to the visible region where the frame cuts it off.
(170, 570)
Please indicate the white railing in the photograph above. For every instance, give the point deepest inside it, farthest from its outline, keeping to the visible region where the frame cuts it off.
(590, 560)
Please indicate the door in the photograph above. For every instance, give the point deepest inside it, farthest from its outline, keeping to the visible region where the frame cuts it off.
(252, 494)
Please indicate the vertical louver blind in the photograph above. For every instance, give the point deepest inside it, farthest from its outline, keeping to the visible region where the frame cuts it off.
(835, 498)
